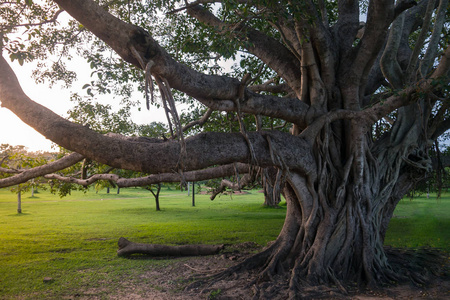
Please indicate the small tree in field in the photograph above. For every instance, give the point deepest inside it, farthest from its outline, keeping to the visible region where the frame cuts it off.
(314, 67)
(16, 160)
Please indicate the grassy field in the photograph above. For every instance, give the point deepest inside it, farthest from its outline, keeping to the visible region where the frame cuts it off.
(73, 240)
(421, 222)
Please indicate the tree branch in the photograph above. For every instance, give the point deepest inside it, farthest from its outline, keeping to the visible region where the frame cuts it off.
(205, 149)
(200, 121)
(389, 65)
(28, 174)
(441, 129)
(235, 186)
(420, 41)
(210, 173)
(270, 51)
(430, 55)
(443, 67)
(403, 5)
(216, 92)
(379, 16)
(271, 88)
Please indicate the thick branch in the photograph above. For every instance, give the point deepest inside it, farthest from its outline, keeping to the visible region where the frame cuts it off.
(379, 17)
(389, 65)
(270, 51)
(443, 68)
(50, 20)
(420, 41)
(122, 37)
(204, 150)
(403, 5)
(347, 24)
(26, 175)
(288, 109)
(430, 55)
(414, 17)
(192, 176)
(441, 129)
(271, 88)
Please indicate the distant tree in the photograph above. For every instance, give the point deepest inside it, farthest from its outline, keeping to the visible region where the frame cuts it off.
(155, 194)
(15, 160)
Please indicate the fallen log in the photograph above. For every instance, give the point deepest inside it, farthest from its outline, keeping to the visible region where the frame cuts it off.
(127, 248)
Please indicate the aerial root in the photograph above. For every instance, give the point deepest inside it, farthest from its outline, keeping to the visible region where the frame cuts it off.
(336, 281)
(168, 103)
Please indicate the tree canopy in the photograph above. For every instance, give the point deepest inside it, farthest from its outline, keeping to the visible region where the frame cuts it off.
(337, 111)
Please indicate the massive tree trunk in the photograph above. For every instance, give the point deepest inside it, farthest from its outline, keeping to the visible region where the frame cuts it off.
(340, 178)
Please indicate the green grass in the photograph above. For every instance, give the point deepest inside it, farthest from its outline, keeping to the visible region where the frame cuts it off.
(421, 222)
(74, 239)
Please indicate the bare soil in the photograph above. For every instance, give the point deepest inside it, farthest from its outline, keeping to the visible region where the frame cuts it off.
(176, 281)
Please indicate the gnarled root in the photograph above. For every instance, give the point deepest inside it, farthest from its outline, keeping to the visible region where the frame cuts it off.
(127, 248)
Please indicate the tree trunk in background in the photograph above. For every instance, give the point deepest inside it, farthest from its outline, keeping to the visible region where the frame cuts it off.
(156, 195)
(19, 202)
(193, 193)
(272, 182)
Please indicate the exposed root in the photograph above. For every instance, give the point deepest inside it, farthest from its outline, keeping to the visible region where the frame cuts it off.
(420, 266)
(253, 262)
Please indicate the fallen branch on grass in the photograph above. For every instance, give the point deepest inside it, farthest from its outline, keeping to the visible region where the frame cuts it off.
(127, 248)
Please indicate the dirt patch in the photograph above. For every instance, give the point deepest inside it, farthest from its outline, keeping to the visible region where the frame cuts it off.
(169, 283)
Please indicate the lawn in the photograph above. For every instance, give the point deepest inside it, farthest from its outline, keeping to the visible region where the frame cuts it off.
(421, 222)
(73, 240)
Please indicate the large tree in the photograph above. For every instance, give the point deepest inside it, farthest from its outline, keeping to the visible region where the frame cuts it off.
(313, 64)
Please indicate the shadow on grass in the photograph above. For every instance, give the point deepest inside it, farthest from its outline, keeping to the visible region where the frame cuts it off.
(20, 215)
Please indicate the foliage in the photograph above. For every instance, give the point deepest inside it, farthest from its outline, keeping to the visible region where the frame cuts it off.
(16, 159)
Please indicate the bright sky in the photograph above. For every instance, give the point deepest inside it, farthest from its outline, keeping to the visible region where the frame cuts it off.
(15, 132)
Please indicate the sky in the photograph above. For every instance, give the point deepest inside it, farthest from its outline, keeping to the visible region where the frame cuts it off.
(14, 132)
